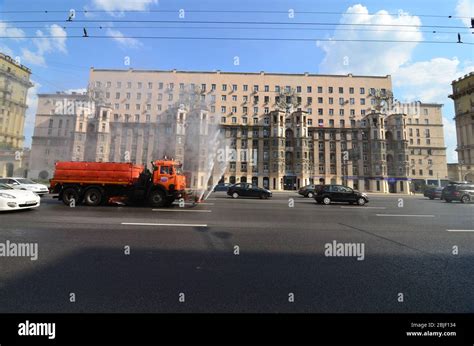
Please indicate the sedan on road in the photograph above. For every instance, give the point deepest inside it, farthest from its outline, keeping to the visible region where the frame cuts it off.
(12, 199)
(340, 193)
(222, 187)
(248, 190)
(453, 192)
(434, 192)
(25, 184)
(307, 191)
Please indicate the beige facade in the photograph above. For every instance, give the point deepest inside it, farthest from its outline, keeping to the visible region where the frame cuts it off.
(67, 128)
(463, 97)
(14, 85)
(288, 129)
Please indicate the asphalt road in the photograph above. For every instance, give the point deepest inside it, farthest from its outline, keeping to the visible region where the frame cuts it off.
(407, 249)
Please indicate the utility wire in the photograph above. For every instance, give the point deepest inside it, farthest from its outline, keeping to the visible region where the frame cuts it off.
(236, 39)
(236, 11)
(230, 22)
(240, 28)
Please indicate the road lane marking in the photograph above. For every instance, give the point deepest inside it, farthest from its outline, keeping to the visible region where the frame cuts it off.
(460, 230)
(405, 215)
(363, 207)
(163, 224)
(184, 210)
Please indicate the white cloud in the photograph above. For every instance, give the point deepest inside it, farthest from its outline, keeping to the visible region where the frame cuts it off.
(123, 5)
(7, 30)
(369, 57)
(465, 8)
(32, 58)
(429, 81)
(124, 42)
(46, 45)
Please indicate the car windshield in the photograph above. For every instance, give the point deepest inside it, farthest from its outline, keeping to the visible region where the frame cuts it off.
(25, 181)
(5, 187)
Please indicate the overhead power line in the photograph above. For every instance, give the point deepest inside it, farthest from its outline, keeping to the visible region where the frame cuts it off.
(232, 22)
(235, 39)
(238, 11)
(240, 28)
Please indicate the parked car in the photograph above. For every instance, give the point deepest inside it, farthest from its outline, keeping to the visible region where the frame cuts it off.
(307, 191)
(25, 184)
(339, 193)
(452, 191)
(433, 192)
(12, 199)
(248, 190)
(222, 187)
(467, 194)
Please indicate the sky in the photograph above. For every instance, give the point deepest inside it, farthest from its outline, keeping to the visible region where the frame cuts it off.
(420, 71)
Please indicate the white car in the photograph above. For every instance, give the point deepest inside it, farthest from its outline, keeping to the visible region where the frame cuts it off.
(12, 199)
(25, 184)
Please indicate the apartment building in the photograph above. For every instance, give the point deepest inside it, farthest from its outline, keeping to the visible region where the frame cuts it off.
(288, 130)
(463, 97)
(14, 85)
(68, 127)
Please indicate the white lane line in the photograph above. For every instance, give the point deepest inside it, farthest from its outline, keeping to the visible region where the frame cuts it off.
(191, 203)
(363, 207)
(460, 230)
(184, 210)
(405, 215)
(163, 224)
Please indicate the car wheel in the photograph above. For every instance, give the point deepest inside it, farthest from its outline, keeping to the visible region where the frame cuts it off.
(326, 200)
(448, 200)
(431, 198)
(361, 201)
(465, 199)
(93, 197)
(310, 195)
(235, 195)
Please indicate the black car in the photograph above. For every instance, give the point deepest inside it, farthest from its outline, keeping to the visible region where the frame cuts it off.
(307, 191)
(433, 192)
(248, 190)
(339, 193)
(222, 187)
(454, 191)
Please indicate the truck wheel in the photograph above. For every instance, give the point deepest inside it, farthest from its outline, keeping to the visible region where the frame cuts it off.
(93, 197)
(157, 198)
(69, 194)
(310, 195)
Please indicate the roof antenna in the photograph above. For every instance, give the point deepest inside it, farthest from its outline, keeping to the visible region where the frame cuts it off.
(459, 38)
(85, 32)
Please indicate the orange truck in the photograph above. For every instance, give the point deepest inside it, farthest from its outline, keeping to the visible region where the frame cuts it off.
(95, 183)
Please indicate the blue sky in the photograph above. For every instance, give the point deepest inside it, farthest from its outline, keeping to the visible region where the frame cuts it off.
(419, 71)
